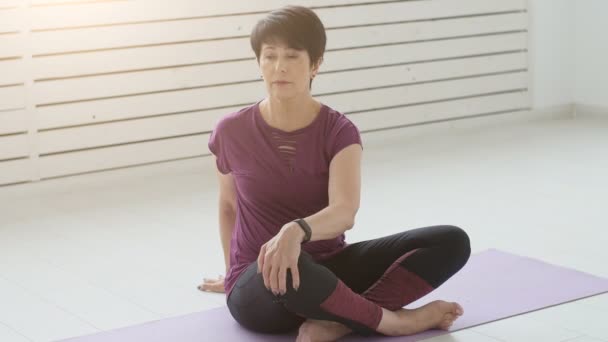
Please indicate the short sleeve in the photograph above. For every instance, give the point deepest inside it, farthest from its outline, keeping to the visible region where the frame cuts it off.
(218, 146)
(345, 134)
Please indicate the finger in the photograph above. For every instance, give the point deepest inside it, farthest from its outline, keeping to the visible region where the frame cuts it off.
(212, 288)
(266, 271)
(218, 288)
(213, 280)
(210, 281)
(208, 289)
(261, 259)
(282, 280)
(274, 278)
(295, 276)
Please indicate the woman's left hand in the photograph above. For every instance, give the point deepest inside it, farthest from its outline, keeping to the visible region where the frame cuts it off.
(279, 254)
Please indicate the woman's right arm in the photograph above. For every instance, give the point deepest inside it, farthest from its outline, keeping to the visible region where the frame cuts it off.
(227, 212)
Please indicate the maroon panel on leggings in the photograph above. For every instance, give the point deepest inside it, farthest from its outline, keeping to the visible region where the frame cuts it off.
(345, 303)
(397, 287)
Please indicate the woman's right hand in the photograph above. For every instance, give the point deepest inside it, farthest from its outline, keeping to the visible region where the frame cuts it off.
(213, 285)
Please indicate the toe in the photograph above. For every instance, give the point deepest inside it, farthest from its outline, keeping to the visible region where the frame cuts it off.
(445, 325)
(458, 309)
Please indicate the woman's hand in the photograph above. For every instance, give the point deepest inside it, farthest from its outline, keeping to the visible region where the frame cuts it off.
(213, 285)
(279, 254)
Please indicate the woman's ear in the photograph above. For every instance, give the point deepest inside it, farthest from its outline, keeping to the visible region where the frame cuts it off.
(316, 66)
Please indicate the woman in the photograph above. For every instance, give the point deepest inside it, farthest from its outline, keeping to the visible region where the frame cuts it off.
(289, 175)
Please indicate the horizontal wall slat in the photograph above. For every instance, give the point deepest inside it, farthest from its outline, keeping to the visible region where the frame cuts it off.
(12, 71)
(188, 54)
(418, 72)
(410, 94)
(124, 12)
(208, 3)
(197, 99)
(157, 127)
(164, 32)
(12, 97)
(434, 29)
(191, 123)
(106, 85)
(124, 155)
(394, 117)
(81, 88)
(147, 10)
(415, 52)
(11, 45)
(418, 10)
(11, 3)
(66, 2)
(139, 58)
(154, 151)
(168, 79)
(15, 171)
(165, 126)
(147, 105)
(130, 131)
(11, 20)
(74, 89)
(13, 146)
(13, 121)
(47, 42)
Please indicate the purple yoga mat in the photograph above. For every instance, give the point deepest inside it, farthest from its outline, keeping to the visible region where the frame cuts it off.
(493, 285)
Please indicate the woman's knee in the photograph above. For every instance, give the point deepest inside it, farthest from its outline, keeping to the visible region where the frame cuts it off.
(458, 241)
(316, 283)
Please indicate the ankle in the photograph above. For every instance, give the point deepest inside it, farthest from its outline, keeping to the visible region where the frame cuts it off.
(392, 323)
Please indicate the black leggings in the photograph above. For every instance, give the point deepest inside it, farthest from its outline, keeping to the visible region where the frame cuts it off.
(351, 286)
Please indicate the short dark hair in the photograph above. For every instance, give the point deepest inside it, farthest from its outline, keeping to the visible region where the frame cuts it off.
(297, 26)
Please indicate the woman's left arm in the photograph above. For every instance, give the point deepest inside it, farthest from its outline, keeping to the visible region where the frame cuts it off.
(344, 191)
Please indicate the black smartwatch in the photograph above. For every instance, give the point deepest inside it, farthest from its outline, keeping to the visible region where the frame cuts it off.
(306, 228)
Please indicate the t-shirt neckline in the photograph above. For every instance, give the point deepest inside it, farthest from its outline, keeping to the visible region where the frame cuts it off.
(259, 117)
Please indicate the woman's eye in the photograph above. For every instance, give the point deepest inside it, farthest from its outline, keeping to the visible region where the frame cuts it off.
(293, 56)
(269, 56)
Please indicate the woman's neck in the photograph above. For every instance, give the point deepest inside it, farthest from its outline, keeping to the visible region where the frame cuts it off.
(289, 115)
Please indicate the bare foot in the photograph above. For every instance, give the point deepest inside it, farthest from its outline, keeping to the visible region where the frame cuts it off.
(437, 314)
(321, 331)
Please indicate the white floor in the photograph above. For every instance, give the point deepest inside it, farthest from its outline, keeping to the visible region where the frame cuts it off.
(106, 250)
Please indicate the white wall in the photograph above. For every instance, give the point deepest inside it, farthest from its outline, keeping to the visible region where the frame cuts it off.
(591, 52)
(570, 50)
(552, 33)
(96, 85)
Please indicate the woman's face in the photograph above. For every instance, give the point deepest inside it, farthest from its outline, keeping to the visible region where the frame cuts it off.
(286, 71)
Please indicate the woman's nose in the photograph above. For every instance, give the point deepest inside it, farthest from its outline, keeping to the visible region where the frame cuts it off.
(280, 65)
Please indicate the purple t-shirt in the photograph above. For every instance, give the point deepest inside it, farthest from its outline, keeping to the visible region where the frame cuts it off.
(279, 176)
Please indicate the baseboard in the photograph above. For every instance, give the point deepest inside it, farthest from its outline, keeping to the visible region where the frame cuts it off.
(565, 111)
(587, 110)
